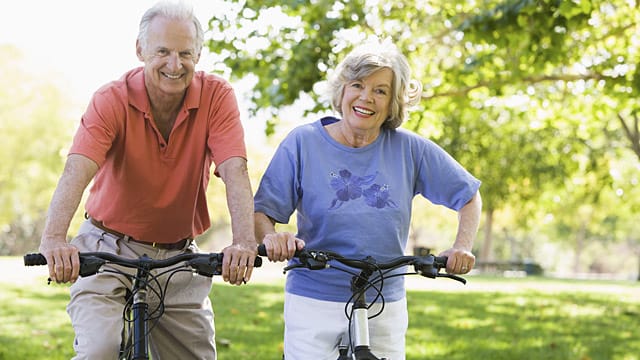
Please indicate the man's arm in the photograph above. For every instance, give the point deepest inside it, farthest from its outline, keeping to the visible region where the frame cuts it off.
(237, 264)
(62, 258)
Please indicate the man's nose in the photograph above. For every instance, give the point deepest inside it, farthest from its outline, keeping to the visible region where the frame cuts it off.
(174, 62)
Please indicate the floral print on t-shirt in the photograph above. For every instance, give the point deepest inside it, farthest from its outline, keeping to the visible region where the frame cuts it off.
(351, 187)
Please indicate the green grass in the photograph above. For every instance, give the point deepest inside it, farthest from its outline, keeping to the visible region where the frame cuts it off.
(34, 323)
(491, 318)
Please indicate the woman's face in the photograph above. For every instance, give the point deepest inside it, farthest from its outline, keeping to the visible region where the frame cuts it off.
(365, 102)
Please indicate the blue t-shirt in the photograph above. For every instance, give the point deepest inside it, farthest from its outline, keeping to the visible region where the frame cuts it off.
(356, 201)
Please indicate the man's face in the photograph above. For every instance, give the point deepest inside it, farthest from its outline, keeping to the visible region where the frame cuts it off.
(170, 56)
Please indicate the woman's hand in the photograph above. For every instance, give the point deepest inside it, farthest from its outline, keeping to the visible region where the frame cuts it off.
(459, 261)
(281, 246)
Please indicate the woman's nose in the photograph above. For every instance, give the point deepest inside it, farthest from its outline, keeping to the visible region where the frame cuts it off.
(365, 95)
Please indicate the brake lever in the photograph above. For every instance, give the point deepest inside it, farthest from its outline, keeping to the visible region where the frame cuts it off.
(206, 267)
(454, 277)
(309, 263)
(90, 266)
(429, 267)
(291, 267)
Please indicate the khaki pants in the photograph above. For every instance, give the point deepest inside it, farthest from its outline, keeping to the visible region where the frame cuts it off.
(184, 331)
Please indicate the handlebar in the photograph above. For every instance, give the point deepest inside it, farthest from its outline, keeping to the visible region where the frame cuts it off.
(206, 264)
(427, 266)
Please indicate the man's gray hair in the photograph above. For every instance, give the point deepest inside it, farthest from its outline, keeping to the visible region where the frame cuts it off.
(170, 10)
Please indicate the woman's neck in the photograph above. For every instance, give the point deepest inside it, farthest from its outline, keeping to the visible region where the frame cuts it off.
(346, 136)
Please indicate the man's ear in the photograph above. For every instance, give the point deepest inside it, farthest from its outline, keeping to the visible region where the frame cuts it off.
(139, 51)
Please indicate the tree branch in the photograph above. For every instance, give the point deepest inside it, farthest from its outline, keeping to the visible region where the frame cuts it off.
(528, 80)
(633, 134)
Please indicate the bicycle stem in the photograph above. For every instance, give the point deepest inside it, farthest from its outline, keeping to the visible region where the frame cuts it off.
(361, 344)
(140, 311)
(361, 323)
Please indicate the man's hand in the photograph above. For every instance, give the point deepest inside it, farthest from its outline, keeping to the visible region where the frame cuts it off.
(237, 263)
(62, 260)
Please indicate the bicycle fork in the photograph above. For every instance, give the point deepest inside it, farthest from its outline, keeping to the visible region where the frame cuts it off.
(140, 333)
(359, 334)
(140, 311)
(360, 320)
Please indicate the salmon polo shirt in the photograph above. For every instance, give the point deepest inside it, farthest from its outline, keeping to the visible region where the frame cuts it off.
(146, 187)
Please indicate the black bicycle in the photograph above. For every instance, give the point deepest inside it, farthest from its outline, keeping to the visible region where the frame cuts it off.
(137, 315)
(371, 275)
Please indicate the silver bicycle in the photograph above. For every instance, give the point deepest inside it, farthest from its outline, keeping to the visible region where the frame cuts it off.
(371, 274)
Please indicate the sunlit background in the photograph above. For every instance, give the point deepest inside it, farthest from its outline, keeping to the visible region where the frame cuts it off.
(83, 43)
(80, 45)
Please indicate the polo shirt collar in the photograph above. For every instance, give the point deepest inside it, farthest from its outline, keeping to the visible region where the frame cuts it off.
(138, 93)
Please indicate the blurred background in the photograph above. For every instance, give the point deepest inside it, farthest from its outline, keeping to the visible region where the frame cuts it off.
(538, 99)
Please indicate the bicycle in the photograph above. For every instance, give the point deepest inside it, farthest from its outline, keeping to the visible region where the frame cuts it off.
(358, 338)
(137, 314)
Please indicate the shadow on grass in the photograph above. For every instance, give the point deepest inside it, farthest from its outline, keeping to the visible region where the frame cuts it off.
(457, 325)
(520, 324)
(34, 322)
(249, 322)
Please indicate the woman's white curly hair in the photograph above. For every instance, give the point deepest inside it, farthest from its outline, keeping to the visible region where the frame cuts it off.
(365, 60)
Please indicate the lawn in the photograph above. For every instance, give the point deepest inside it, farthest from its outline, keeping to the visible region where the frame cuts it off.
(490, 318)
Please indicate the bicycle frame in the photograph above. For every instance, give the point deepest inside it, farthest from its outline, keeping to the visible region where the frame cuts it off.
(135, 341)
(428, 266)
(361, 346)
(360, 319)
(140, 311)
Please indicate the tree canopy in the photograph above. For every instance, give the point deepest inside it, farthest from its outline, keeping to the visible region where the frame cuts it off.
(33, 122)
(531, 96)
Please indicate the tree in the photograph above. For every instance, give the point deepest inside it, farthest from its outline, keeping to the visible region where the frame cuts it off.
(35, 126)
(516, 90)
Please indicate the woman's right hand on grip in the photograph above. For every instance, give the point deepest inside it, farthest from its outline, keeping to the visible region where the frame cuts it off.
(281, 246)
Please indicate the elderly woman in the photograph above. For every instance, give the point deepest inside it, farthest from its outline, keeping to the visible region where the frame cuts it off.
(352, 181)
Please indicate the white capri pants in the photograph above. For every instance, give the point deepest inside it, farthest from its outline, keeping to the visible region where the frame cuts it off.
(313, 329)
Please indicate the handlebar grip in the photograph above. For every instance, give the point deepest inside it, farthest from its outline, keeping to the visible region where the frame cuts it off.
(34, 259)
(440, 262)
(262, 250)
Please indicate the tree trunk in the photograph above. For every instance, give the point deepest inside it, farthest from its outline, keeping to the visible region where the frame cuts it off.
(638, 267)
(486, 254)
(580, 236)
(632, 132)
